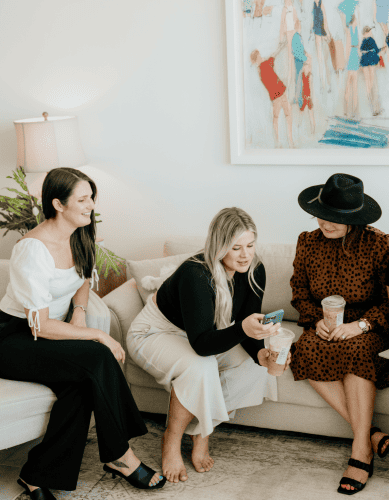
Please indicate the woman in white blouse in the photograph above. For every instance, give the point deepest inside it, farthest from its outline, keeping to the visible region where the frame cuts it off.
(50, 270)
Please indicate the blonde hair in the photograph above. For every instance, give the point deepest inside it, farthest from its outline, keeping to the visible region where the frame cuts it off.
(225, 229)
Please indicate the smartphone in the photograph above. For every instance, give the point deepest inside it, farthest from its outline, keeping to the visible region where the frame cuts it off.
(274, 317)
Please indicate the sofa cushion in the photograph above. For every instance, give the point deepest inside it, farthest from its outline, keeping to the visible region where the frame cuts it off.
(299, 392)
(278, 261)
(4, 276)
(152, 267)
(126, 303)
(22, 400)
(137, 376)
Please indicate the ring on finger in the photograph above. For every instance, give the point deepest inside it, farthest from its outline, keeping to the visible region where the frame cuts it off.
(317, 333)
(343, 337)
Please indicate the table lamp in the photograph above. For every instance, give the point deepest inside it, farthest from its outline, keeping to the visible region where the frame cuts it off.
(48, 142)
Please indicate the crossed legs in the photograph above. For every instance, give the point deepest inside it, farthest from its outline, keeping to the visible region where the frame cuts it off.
(353, 398)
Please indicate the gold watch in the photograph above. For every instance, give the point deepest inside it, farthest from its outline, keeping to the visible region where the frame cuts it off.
(363, 325)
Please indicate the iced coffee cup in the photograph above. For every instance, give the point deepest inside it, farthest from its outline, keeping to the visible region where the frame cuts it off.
(333, 311)
(279, 346)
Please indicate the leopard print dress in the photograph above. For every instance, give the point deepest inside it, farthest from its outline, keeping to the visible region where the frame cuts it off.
(356, 271)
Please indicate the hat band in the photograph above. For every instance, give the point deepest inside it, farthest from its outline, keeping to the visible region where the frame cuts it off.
(338, 210)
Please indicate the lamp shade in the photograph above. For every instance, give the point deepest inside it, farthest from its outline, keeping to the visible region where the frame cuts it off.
(47, 143)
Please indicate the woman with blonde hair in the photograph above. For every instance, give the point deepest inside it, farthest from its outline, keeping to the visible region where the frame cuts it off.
(201, 338)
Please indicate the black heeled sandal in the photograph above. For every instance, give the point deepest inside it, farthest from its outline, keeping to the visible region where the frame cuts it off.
(352, 482)
(140, 478)
(385, 439)
(39, 494)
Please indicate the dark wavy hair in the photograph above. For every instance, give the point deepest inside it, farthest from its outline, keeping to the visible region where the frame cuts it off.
(60, 184)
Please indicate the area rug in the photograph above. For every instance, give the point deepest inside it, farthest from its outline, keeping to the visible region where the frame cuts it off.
(250, 463)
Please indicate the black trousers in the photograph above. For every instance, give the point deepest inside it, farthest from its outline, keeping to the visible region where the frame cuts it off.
(85, 377)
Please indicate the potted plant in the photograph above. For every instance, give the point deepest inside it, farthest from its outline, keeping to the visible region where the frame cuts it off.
(24, 212)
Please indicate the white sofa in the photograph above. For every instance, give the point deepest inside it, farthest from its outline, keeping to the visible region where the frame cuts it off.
(299, 408)
(25, 407)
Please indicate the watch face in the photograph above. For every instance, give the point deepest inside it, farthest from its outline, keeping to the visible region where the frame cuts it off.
(362, 324)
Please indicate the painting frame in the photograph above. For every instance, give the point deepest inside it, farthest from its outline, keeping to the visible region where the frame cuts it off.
(239, 154)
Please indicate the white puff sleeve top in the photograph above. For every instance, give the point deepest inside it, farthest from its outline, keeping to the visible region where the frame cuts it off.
(35, 283)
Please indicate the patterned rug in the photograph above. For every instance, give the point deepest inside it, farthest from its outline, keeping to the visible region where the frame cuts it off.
(250, 463)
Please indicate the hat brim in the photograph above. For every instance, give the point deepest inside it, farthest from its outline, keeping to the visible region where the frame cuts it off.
(369, 213)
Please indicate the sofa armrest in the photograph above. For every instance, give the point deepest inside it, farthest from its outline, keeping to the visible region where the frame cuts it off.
(116, 330)
(125, 304)
(4, 276)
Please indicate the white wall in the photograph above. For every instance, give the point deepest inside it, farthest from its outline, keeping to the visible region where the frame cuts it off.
(148, 82)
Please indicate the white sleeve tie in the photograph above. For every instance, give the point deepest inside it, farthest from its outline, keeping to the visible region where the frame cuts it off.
(95, 278)
(34, 323)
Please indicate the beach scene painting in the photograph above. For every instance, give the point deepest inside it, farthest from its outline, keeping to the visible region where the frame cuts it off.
(314, 76)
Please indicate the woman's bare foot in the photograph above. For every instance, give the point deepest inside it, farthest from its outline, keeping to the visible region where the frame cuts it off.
(31, 488)
(128, 463)
(200, 454)
(355, 473)
(173, 467)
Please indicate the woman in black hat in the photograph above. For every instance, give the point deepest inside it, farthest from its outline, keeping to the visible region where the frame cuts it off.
(344, 257)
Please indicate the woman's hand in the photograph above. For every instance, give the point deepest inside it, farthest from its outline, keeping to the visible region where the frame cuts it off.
(254, 329)
(264, 355)
(78, 318)
(322, 330)
(345, 331)
(114, 346)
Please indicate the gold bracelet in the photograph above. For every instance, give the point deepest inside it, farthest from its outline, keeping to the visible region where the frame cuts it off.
(82, 307)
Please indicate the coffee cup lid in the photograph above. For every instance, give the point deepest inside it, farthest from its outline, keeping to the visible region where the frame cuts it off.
(285, 333)
(333, 301)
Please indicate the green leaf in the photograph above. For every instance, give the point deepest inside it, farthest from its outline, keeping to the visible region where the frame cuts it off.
(27, 196)
(11, 209)
(19, 178)
(111, 261)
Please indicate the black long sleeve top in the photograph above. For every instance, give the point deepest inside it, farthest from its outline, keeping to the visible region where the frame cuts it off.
(187, 299)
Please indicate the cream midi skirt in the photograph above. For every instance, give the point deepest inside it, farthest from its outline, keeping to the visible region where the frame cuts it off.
(209, 387)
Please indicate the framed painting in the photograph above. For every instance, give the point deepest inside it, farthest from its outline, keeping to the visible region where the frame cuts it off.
(308, 81)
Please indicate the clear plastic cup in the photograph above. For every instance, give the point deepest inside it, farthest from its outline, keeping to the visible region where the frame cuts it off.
(279, 346)
(333, 311)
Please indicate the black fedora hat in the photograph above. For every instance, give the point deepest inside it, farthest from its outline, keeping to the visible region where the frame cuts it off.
(341, 200)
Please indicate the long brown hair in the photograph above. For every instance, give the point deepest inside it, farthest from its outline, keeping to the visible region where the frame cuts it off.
(60, 184)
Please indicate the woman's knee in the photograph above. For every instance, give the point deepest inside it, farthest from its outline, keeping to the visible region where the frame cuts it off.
(100, 356)
(202, 366)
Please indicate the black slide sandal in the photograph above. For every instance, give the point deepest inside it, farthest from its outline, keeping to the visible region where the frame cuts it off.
(140, 478)
(39, 494)
(385, 439)
(352, 482)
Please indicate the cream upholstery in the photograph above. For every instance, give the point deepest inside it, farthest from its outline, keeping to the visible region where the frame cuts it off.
(25, 407)
(299, 407)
